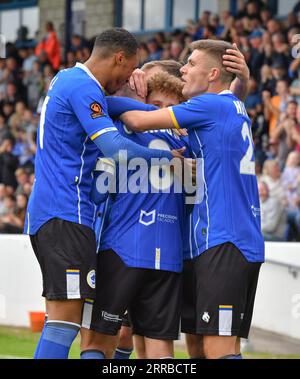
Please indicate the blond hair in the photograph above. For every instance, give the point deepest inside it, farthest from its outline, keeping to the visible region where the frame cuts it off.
(167, 84)
(170, 66)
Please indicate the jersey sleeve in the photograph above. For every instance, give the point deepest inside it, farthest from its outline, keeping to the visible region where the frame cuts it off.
(194, 113)
(89, 105)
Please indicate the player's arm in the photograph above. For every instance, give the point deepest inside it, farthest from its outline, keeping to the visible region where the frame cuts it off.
(90, 109)
(196, 112)
(117, 105)
(234, 61)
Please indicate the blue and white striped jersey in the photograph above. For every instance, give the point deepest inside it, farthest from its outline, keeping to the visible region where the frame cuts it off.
(74, 113)
(147, 229)
(228, 208)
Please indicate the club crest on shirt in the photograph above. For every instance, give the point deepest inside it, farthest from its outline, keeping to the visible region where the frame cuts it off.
(91, 279)
(97, 110)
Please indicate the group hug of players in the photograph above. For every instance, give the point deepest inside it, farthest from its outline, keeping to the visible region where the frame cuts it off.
(153, 261)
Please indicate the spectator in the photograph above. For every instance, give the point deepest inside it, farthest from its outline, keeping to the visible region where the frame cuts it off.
(283, 131)
(276, 104)
(50, 45)
(272, 178)
(256, 54)
(12, 221)
(34, 84)
(154, 51)
(253, 101)
(2, 196)
(22, 178)
(291, 183)
(16, 119)
(273, 216)
(8, 163)
(3, 128)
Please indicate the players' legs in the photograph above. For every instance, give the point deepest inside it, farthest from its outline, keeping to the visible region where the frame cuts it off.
(159, 349)
(125, 344)
(238, 346)
(139, 346)
(216, 347)
(159, 295)
(60, 330)
(225, 292)
(96, 345)
(66, 254)
(65, 310)
(194, 344)
(102, 319)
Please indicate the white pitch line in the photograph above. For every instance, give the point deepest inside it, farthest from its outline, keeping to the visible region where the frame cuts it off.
(11, 357)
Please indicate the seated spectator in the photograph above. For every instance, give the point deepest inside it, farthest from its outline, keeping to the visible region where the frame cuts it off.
(34, 84)
(295, 132)
(276, 104)
(253, 101)
(22, 178)
(272, 178)
(283, 131)
(28, 61)
(23, 148)
(71, 60)
(3, 128)
(2, 197)
(16, 119)
(289, 179)
(12, 221)
(273, 215)
(3, 78)
(7, 109)
(154, 51)
(8, 163)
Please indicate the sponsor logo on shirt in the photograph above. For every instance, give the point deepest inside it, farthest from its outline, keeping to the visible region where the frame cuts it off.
(171, 219)
(97, 110)
(110, 317)
(147, 218)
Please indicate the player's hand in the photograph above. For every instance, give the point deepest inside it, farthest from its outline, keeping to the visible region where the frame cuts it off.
(234, 61)
(180, 132)
(138, 83)
(177, 153)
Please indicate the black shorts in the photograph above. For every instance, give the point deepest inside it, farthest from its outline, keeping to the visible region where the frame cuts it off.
(125, 321)
(151, 297)
(66, 252)
(219, 290)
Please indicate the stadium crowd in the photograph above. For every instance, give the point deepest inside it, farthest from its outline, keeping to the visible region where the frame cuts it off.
(273, 103)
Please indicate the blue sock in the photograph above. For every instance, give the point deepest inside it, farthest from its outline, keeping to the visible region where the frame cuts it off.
(41, 337)
(122, 353)
(57, 339)
(238, 356)
(92, 354)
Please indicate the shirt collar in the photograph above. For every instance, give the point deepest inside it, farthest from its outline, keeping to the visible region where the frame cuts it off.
(84, 68)
(225, 92)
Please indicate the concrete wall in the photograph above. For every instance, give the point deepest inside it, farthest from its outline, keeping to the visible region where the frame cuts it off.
(277, 306)
(99, 15)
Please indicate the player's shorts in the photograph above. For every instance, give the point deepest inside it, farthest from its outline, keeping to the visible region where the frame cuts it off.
(151, 297)
(66, 252)
(125, 321)
(219, 289)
